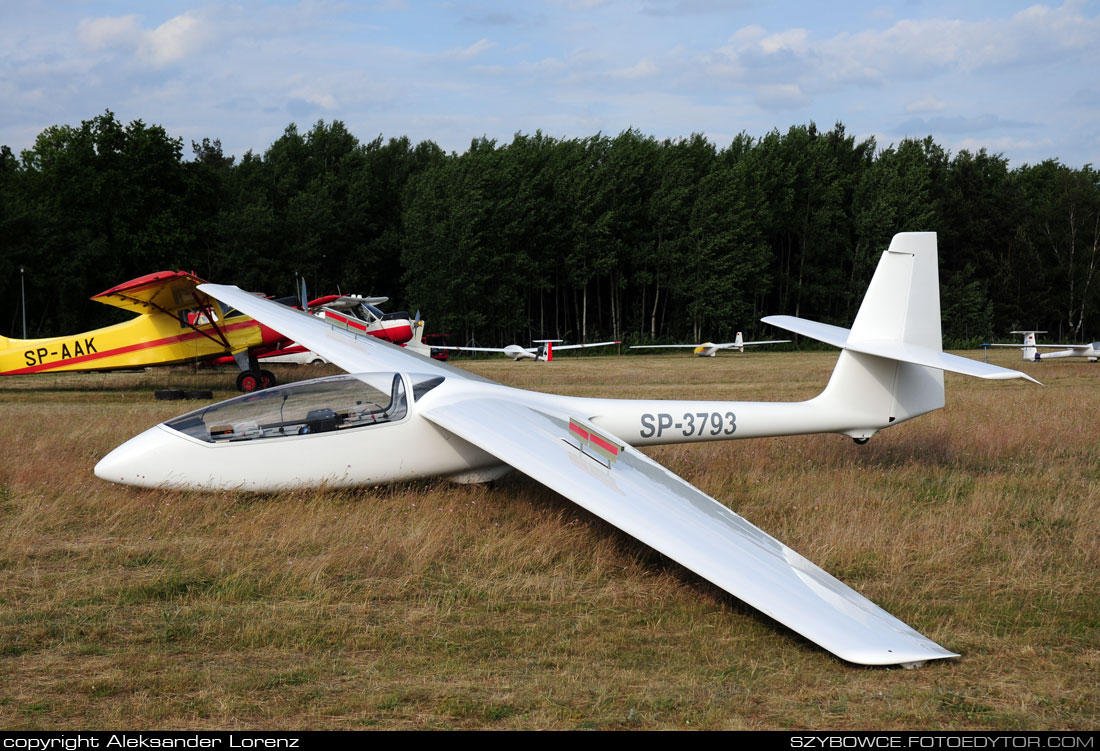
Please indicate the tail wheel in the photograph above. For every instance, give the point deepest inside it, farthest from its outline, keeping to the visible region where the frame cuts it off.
(248, 381)
(267, 379)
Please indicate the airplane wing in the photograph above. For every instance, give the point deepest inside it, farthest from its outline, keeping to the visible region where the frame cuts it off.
(477, 349)
(560, 347)
(723, 345)
(652, 504)
(735, 345)
(662, 346)
(167, 291)
(353, 351)
(769, 341)
(1041, 346)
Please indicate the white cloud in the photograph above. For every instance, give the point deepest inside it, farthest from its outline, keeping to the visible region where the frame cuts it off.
(748, 35)
(910, 49)
(102, 33)
(1000, 145)
(927, 103)
(463, 54)
(781, 96)
(324, 101)
(791, 39)
(172, 41)
(580, 4)
(643, 69)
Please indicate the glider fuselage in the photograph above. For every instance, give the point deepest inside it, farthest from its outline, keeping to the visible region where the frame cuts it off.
(241, 444)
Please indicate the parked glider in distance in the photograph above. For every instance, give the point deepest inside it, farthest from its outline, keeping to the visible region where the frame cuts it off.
(1030, 348)
(402, 416)
(542, 353)
(710, 349)
(175, 323)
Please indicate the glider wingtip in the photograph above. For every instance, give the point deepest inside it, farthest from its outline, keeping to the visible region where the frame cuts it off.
(906, 658)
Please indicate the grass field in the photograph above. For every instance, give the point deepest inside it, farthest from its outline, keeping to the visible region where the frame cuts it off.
(433, 605)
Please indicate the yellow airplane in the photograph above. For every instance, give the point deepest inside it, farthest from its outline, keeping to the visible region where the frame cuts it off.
(175, 323)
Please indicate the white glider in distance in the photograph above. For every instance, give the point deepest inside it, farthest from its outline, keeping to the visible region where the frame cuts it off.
(1030, 348)
(399, 416)
(544, 352)
(710, 349)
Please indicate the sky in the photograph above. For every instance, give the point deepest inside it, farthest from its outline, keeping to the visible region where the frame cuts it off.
(1015, 78)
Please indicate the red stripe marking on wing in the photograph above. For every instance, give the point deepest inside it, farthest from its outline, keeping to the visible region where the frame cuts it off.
(608, 447)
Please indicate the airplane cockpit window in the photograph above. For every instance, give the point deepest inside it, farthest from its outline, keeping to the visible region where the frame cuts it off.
(192, 317)
(370, 313)
(319, 406)
(422, 384)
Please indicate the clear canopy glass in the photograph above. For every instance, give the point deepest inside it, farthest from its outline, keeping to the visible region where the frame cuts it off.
(322, 405)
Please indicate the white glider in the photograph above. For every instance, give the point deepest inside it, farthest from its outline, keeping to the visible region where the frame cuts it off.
(710, 349)
(1030, 348)
(403, 416)
(542, 353)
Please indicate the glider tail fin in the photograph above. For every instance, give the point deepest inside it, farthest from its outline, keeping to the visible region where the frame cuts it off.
(901, 310)
(739, 342)
(892, 363)
(1028, 350)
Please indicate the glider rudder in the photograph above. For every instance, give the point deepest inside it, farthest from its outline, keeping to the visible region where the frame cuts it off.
(878, 375)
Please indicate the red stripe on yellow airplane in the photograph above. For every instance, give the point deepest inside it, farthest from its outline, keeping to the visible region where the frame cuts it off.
(123, 350)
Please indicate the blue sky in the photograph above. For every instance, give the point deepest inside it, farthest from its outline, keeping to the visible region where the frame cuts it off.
(1016, 78)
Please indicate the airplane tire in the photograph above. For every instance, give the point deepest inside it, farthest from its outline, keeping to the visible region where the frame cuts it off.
(267, 379)
(248, 381)
(861, 441)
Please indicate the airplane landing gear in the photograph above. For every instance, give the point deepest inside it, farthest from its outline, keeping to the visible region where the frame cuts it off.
(861, 441)
(255, 380)
(248, 381)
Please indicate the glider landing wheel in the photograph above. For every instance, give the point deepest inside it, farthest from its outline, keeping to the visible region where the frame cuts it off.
(861, 441)
(267, 379)
(249, 381)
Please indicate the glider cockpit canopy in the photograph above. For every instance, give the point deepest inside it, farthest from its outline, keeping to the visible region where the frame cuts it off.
(321, 405)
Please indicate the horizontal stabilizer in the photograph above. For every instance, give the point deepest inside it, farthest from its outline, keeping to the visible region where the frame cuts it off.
(895, 350)
(822, 332)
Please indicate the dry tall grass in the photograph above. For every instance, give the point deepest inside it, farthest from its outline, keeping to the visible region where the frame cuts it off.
(433, 605)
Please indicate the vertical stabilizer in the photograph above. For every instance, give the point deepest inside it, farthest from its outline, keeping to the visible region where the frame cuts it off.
(903, 300)
(1029, 351)
(901, 309)
(739, 342)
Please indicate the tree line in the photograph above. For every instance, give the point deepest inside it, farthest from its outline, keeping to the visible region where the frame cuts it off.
(623, 236)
